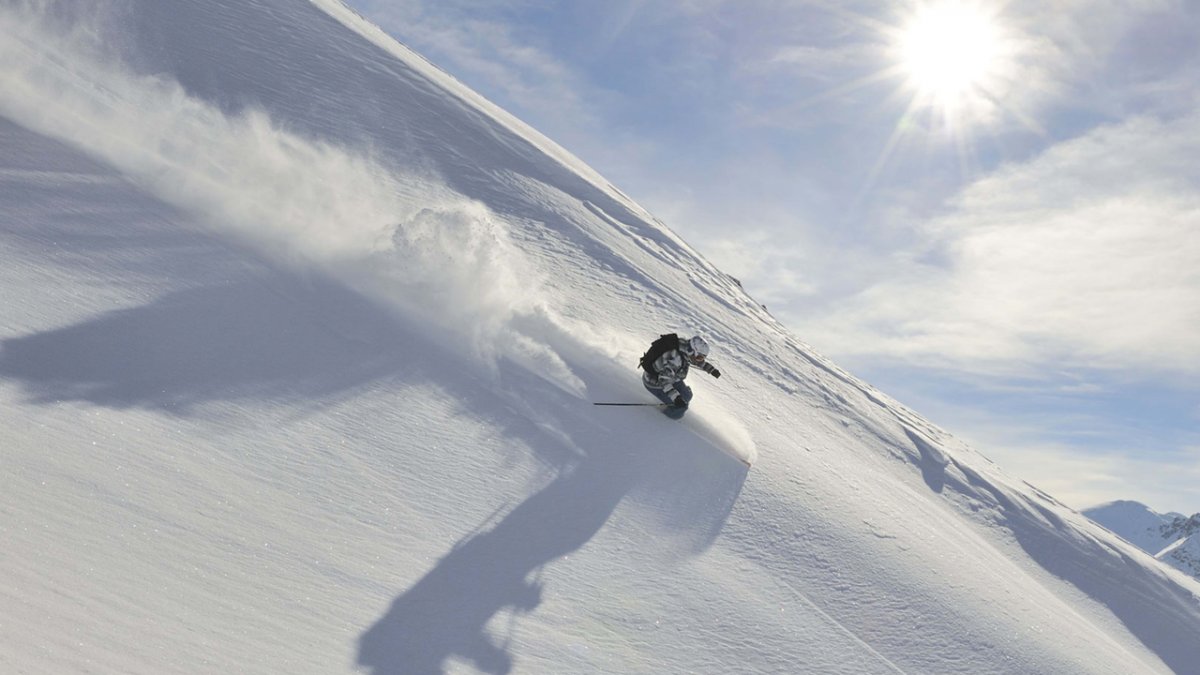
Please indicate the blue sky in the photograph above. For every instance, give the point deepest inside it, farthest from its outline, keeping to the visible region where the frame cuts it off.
(990, 210)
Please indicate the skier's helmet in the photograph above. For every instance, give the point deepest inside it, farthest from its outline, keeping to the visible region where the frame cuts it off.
(696, 349)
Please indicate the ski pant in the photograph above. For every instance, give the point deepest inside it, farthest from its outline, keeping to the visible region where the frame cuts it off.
(671, 411)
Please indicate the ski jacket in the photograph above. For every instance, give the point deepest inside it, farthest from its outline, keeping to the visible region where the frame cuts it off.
(670, 368)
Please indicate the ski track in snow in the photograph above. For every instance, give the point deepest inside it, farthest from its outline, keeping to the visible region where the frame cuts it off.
(848, 633)
(297, 365)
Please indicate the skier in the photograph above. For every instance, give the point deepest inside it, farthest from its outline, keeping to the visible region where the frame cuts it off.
(665, 366)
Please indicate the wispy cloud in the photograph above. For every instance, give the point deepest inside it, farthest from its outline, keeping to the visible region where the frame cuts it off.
(1085, 256)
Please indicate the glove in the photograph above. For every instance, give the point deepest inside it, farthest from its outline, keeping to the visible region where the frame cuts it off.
(715, 372)
(679, 402)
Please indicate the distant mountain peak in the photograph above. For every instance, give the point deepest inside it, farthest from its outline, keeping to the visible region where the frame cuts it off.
(1170, 537)
(1120, 505)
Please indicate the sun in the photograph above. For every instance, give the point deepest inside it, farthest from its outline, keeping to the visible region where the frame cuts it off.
(948, 49)
(951, 52)
(957, 70)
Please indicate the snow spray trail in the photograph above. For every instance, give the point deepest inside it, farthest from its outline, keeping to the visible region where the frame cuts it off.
(724, 431)
(709, 419)
(443, 261)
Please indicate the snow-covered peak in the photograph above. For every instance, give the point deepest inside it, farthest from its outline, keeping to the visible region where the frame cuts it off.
(1135, 522)
(1169, 537)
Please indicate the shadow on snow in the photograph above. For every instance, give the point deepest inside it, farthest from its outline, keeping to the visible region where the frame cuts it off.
(690, 487)
(279, 337)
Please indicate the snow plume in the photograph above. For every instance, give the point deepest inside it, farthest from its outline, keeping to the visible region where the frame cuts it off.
(710, 418)
(410, 242)
(453, 263)
(724, 430)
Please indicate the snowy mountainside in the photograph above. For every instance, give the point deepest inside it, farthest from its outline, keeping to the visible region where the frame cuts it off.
(1183, 554)
(1170, 537)
(298, 345)
(1136, 523)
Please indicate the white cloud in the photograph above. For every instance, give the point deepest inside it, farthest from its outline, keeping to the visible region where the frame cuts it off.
(1088, 255)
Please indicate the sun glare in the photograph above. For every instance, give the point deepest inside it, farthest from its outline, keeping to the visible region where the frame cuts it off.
(949, 51)
(958, 69)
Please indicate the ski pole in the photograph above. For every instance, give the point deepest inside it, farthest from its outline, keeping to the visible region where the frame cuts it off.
(657, 405)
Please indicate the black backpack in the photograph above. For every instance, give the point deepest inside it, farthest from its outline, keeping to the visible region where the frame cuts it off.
(662, 345)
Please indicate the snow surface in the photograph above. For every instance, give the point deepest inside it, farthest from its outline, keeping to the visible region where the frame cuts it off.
(298, 344)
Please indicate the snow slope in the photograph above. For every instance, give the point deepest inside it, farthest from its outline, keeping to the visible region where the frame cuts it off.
(298, 344)
(1183, 555)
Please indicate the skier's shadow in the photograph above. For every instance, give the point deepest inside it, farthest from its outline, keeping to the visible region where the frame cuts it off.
(217, 342)
(687, 492)
(445, 614)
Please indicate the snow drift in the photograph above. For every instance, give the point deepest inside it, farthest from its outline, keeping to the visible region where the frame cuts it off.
(297, 349)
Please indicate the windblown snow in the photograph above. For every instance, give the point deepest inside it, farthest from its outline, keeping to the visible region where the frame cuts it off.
(299, 339)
